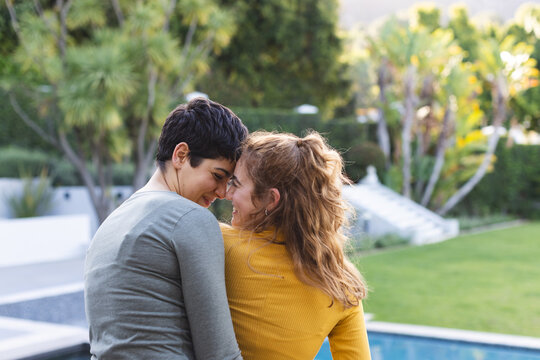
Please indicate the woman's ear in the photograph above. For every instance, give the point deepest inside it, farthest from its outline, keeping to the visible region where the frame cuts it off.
(274, 199)
(180, 155)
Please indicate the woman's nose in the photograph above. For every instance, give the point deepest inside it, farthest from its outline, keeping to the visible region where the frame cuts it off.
(221, 190)
(229, 193)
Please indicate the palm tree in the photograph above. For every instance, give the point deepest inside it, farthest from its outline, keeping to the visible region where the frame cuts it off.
(506, 66)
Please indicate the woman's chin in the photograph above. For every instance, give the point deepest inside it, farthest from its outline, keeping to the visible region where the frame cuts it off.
(235, 222)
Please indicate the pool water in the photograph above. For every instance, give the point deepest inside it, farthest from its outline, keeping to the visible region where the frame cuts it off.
(402, 347)
(395, 347)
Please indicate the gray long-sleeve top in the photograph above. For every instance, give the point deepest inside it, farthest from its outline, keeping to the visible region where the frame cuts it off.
(155, 285)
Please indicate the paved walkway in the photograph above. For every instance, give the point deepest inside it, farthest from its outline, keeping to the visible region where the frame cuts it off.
(23, 286)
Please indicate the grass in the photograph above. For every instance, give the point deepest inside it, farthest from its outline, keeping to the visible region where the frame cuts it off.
(484, 282)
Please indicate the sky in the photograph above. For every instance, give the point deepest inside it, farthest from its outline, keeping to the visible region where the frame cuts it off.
(365, 11)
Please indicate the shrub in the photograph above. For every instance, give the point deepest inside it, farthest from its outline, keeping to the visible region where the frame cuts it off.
(364, 242)
(222, 210)
(388, 240)
(279, 120)
(344, 133)
(35, 199)
(468, 222)
(123, 173)
(513, 187)
(16, 161)
(64, 174)
(360, 156)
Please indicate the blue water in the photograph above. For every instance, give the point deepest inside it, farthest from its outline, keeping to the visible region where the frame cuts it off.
(399, 347)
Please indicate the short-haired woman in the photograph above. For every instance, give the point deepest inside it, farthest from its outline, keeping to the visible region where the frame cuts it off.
(154, 284)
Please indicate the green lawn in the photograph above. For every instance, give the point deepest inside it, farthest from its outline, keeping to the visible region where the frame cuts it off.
(485, 282)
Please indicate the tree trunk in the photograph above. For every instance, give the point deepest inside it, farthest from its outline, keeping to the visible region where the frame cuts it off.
(145, 151)
(442, 143)
(499, 103)
(142, 166)
(420, 153)
(408, 120)
(101, 201)
(422, 132)
(382, 129)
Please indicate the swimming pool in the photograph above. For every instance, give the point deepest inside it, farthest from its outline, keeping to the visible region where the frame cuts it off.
(388, 341)
(404, 347)
(386, 346)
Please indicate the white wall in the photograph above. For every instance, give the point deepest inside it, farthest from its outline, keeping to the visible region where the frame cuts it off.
(43, 238)
(63, 234)
(67, 200)
(70, 200)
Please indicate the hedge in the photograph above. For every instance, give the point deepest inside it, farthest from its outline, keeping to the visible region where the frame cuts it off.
(278, 119)
(346, 135)
(16, 162)
(513, 187)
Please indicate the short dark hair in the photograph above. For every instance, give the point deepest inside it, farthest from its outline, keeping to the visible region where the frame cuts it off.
(211, 130)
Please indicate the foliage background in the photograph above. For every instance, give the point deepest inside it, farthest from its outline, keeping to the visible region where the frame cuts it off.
(274, 55)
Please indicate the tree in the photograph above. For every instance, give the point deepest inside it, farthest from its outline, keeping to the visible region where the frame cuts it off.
(526, 28)
(506, 67)
(372, 75)
(286, 53)
(386, 48)
(436, 84)
(464, 31)
(103, 76)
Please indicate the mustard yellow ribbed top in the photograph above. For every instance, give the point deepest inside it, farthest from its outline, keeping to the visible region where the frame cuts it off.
(275, 315)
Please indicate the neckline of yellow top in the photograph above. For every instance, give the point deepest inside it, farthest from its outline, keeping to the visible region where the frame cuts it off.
(264, 235)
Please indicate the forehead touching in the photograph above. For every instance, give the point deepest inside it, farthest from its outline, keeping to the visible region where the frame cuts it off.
(240, 171)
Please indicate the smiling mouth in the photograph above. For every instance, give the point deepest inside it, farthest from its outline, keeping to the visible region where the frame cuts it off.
(207, 202)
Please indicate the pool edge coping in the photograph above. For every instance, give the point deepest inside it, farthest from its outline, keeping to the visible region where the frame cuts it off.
(468, 336)
(37, 338)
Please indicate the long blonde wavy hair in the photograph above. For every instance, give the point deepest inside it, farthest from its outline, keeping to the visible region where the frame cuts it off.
(311, 212)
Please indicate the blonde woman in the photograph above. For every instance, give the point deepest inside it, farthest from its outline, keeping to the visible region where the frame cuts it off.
(288, 282)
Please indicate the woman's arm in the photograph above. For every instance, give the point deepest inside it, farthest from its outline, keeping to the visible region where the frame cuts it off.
(348, 340)
(202, 268)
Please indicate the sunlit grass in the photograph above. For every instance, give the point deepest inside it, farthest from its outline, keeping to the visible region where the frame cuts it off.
(485, 282)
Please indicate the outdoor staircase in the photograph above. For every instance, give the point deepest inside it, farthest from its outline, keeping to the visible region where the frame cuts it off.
(381, 211)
